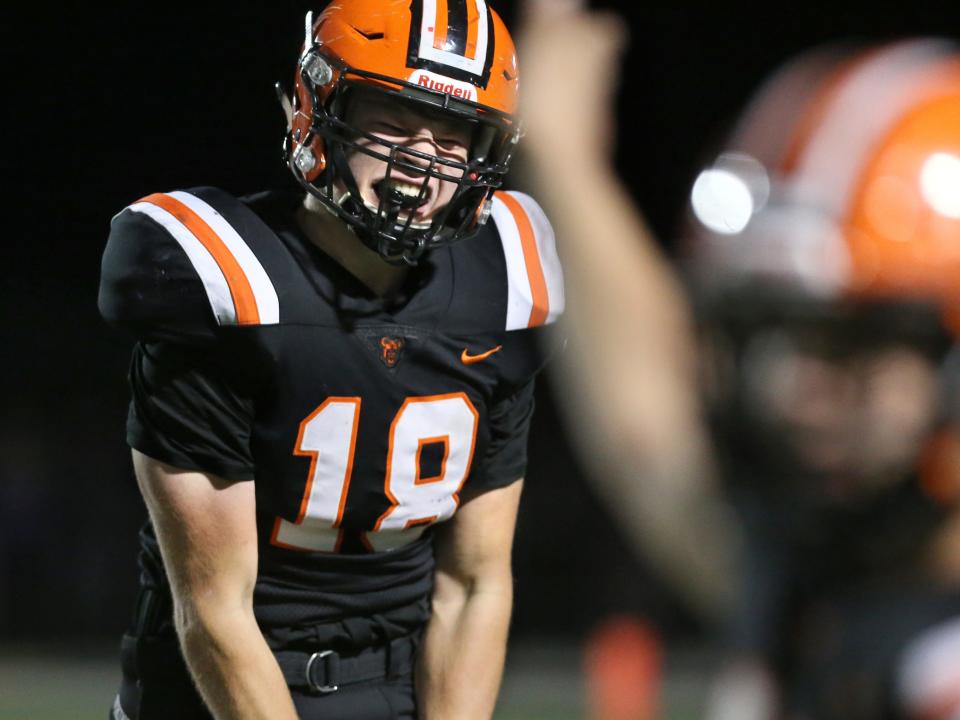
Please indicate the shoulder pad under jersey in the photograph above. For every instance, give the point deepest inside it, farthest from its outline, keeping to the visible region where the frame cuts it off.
(183, 263)
(535, 293)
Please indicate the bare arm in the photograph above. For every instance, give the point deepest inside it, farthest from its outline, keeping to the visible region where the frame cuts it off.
(208, 538)
(630, 358)
(465, 643)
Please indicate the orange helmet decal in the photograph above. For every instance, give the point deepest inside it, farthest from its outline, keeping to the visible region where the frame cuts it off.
(453, 38)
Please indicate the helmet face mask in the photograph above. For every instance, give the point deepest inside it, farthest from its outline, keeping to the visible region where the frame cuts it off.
(400, 214)
(391, 226)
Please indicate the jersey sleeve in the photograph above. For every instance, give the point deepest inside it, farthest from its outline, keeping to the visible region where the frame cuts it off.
(505, 460)
(534, 283)
(148, 286)
(176, 269)
(534, 277)
(535, 301)
(189, 410)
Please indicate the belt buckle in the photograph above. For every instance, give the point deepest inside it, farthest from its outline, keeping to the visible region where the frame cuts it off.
(332, 666)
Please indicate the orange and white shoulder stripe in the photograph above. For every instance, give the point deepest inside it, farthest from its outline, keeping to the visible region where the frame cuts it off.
(534, 276)
(238, 288)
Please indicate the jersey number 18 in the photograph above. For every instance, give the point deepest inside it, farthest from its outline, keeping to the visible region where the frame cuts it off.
(328, 437)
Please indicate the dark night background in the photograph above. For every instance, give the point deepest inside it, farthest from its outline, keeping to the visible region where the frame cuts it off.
(111, 103)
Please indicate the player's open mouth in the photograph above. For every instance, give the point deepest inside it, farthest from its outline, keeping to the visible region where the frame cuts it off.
(404, 194)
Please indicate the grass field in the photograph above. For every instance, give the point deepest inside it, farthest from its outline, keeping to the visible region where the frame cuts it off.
(540, 683)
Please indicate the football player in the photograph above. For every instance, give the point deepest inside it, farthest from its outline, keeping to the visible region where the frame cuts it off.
(332, 389)
(825, 272)
(828, 304)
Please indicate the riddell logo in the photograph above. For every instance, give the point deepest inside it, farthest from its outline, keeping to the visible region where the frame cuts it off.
(444, 85)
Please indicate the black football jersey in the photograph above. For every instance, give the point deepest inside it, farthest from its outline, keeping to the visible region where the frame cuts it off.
(361, 420)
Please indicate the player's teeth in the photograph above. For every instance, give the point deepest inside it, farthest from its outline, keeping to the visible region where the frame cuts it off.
(405, 188)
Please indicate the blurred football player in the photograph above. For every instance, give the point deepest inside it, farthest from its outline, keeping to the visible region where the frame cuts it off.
(332, 389)
(825, 266)
(828, 303)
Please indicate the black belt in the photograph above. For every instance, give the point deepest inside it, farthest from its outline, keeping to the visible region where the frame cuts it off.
(326, 671)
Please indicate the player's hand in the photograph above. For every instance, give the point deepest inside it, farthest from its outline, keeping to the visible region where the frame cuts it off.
(570, 61)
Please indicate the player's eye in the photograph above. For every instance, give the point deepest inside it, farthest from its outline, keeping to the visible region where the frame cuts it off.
(452, 144)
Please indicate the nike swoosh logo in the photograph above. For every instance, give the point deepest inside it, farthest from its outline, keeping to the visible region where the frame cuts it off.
(468, 359)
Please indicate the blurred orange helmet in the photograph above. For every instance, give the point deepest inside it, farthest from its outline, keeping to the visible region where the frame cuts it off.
(452, 57)
(842, 180)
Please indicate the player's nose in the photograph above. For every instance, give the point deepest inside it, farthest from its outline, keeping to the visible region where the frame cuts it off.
(424, 142)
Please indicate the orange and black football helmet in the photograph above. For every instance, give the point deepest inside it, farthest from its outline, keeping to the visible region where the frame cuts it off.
(826, 233)
(453, 57)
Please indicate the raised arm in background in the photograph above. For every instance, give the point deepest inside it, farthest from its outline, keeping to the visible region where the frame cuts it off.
(632, 399)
